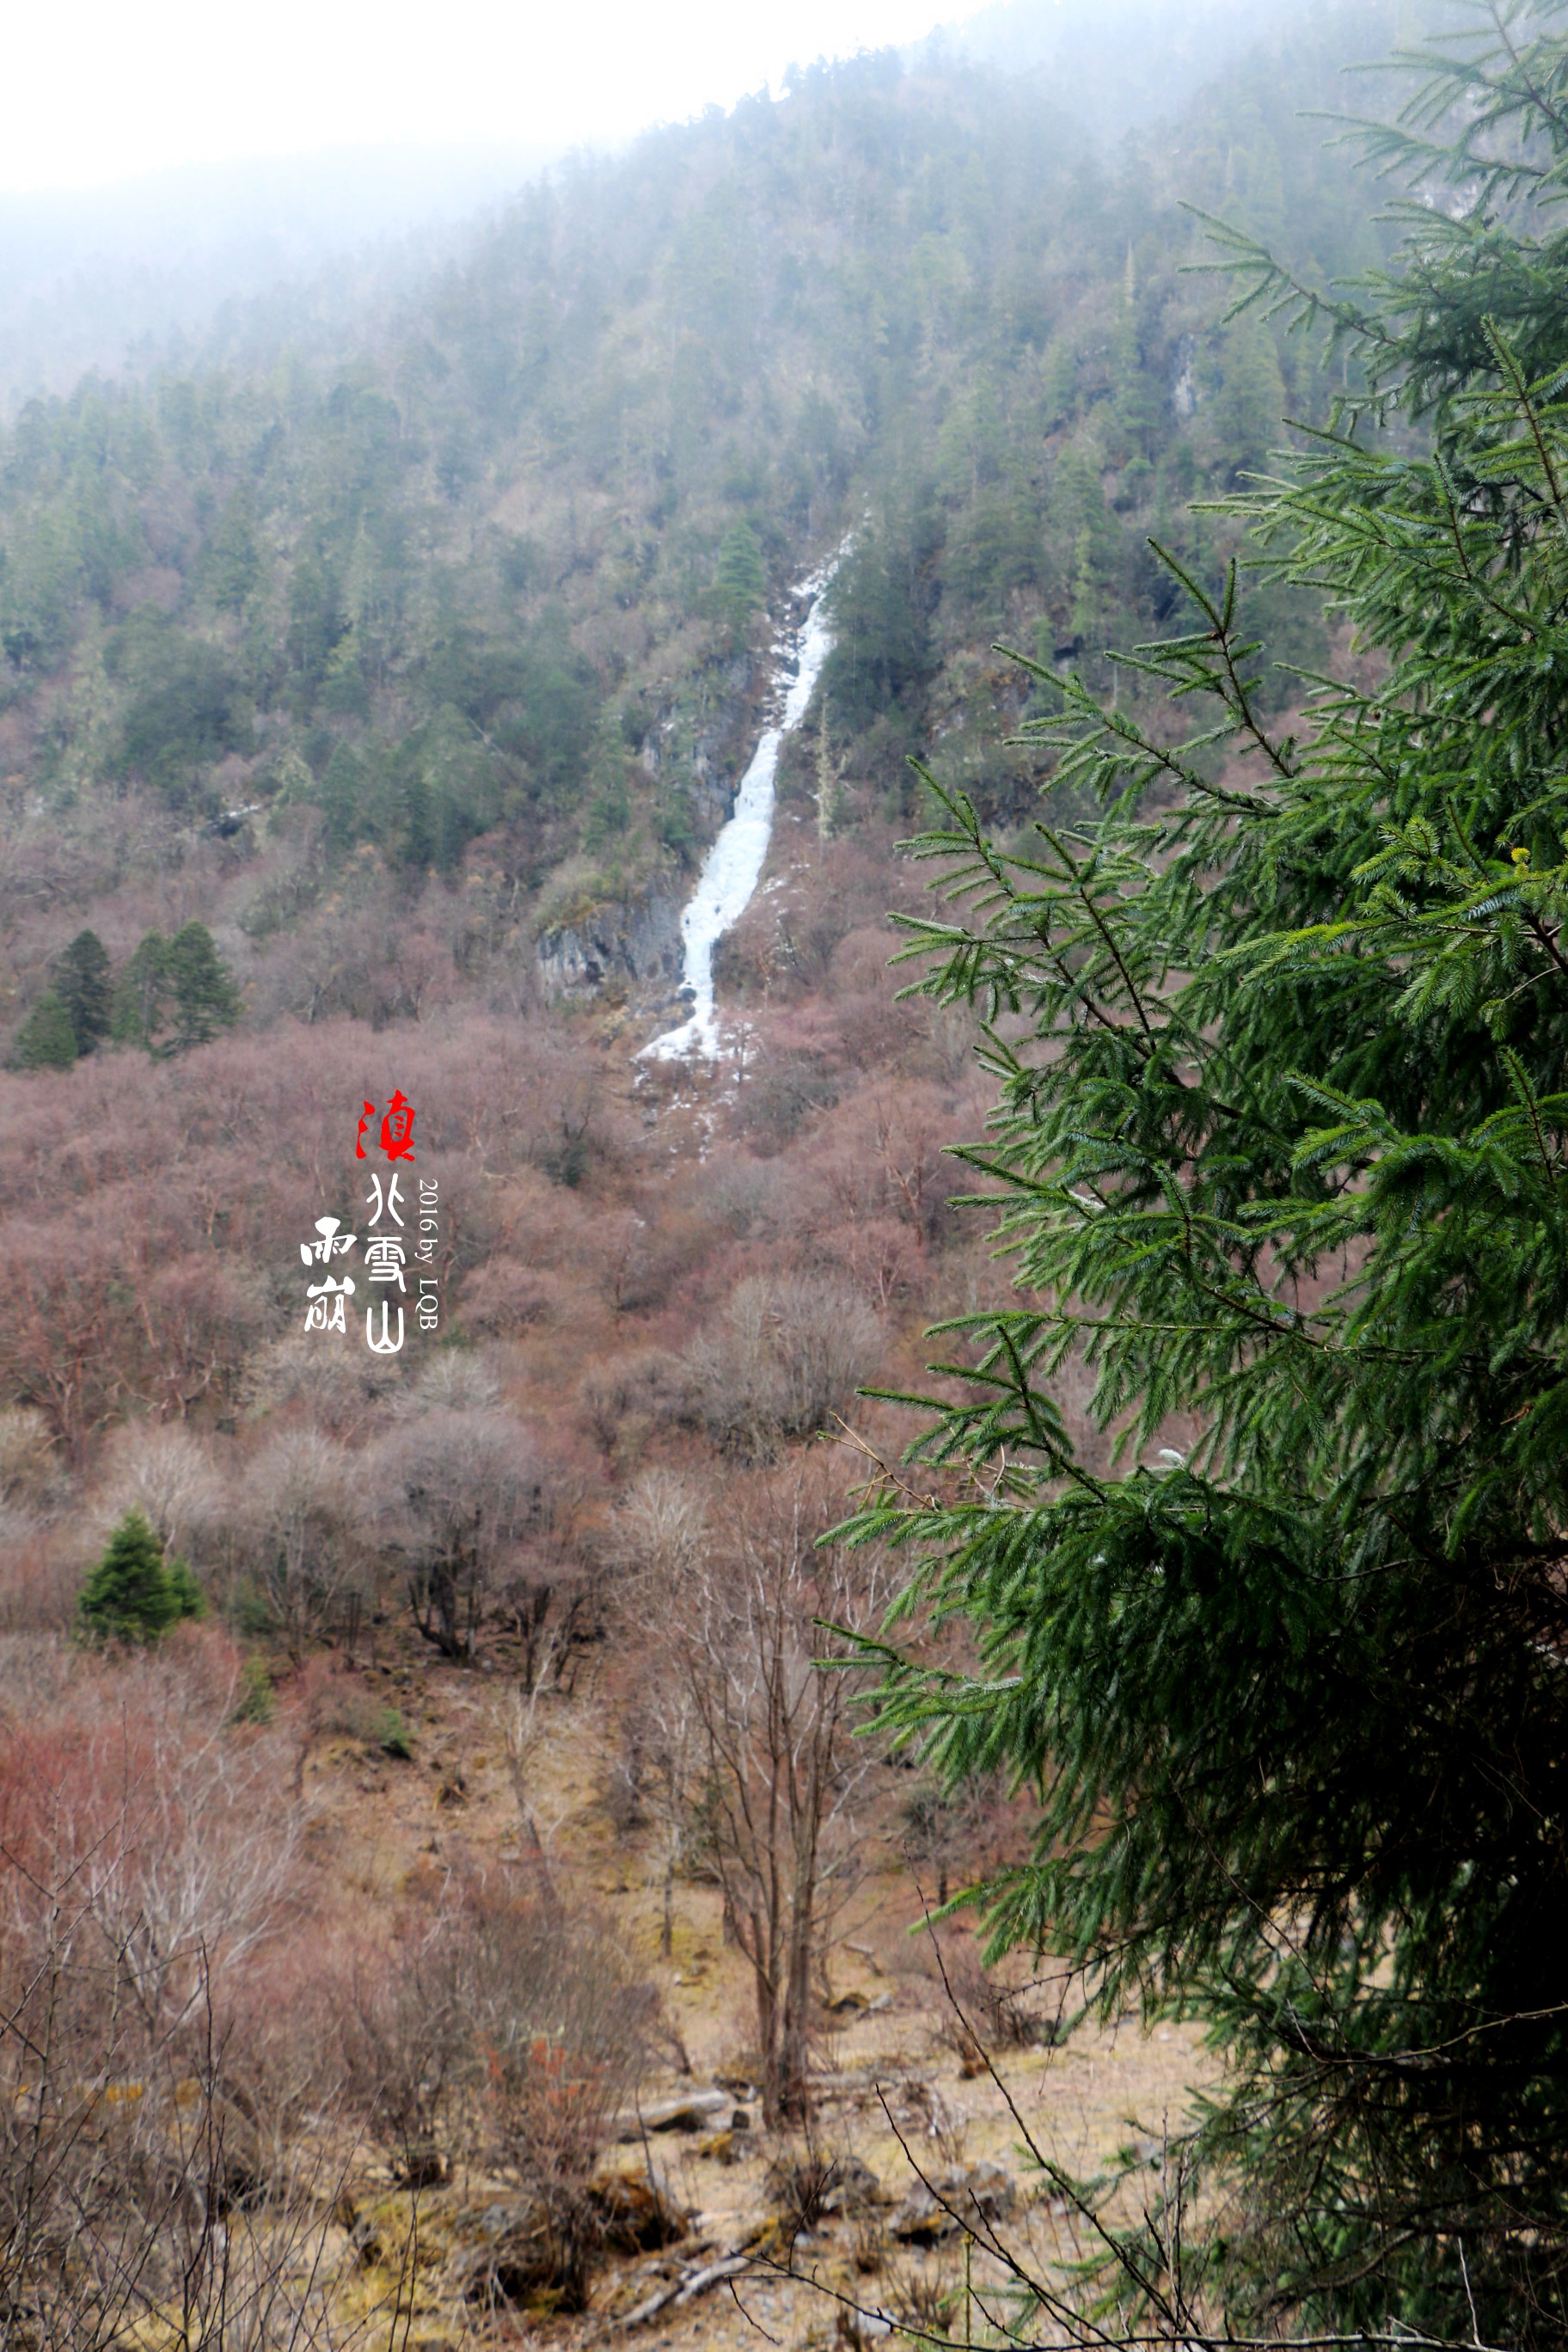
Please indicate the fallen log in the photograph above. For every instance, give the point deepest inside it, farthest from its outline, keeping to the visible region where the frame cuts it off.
(693, 2111)
(678, 2291)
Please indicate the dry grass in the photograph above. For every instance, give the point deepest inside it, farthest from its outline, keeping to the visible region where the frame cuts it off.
(893, 2091)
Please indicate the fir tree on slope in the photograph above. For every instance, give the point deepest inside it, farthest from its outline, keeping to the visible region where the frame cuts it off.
(205, 999)
(739, 584)
(140, 994)
(45, 1041)
(133, 1594)
(1285, 1153)
(173, 994)
(83, 984)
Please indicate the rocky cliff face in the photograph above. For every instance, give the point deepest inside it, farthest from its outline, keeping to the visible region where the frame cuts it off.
(615, 951)
(632, 949)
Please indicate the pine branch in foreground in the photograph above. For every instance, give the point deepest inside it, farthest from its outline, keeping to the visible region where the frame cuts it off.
(1280, 1037)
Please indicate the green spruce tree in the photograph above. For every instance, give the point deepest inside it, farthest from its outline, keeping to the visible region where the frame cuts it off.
(46, 1040)
(739, 583)
(341, 796)
(83, 984)
(186, 1594)
(231, 562)
(132, 1595)
(204, 998)
(1280, 1153)
(142, 993)
(609, 809)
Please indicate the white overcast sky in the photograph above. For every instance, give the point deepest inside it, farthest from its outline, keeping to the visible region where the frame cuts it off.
(104, 91)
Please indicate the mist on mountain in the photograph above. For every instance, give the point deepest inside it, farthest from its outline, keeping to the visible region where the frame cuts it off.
(226, 263)
(208, 258)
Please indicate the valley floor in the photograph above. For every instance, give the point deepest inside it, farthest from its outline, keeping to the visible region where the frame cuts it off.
(901, 2098)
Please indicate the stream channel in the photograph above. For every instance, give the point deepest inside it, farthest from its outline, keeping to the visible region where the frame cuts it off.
(733, 868)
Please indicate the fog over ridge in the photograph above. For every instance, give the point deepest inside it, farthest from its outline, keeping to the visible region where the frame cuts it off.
(229, 261)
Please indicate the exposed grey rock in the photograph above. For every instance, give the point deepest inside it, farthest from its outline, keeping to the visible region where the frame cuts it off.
(697, 2111)
(616, 945)
(852, 2188)
(952, 2202)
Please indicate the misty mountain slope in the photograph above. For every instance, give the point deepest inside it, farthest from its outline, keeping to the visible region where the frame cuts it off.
(1126, 62)
(483, 595)
(1133, 63)
(210, 264)
(227, 261)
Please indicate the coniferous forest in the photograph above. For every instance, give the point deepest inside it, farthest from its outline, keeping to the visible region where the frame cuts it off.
(920, 1699)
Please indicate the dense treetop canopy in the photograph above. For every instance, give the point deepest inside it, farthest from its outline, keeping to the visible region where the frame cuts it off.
(394, 590)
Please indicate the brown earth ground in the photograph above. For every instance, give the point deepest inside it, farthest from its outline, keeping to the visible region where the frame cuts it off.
(892, 2086)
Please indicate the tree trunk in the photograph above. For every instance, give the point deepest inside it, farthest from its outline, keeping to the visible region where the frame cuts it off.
(794, 2096)
(768, 2040)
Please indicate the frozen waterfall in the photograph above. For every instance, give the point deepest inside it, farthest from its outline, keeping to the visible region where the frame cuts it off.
(733, 868)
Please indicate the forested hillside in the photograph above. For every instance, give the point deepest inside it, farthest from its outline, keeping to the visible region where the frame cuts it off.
(420, 1810)
(495, 576)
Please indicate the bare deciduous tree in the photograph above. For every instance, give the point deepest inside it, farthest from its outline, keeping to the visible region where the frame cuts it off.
(551, 1593)
(789, 1353)
(772, 1744)
(459, 1490)
(299, 1515)
(157, 2182)
(664, 1539)
(165, 1472)
(27, 1455)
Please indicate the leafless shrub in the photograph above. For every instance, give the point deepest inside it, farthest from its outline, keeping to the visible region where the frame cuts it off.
(407, 2043)
(27, 1458)
(503, 1296)
(662, 1530)
(196, 1860)
(341, 1390)
(276, 2070)
(868, 2245)
(549, 1593)
(789, 1353)
(775, 1103)
(985, 2010)
(454, 1381)
(922, 2295)
(332, 1706)
(29, 1596)
(746, 1195)
(165, 1472)
(297, 1522)
(626, 1401)
(815, 2182)
(36, 1671)
(146, 2191)
(164, 2123)
(506, 2026)
(562, 2027)
(952, 2033)
(460, 1488)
